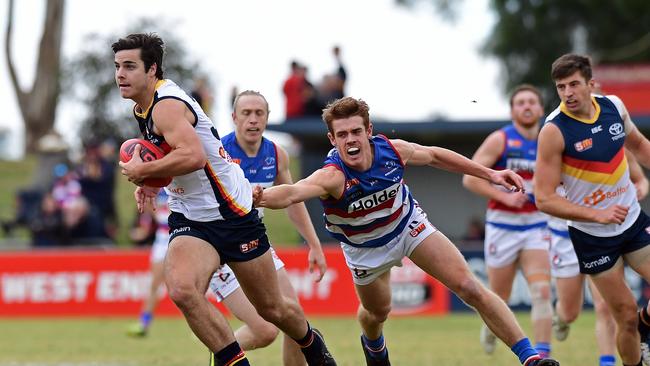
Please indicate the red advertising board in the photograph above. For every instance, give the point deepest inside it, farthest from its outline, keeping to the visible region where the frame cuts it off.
(114, 282)
(631, 83)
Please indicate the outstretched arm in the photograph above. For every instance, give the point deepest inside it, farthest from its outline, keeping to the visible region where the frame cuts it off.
(487, 155)
(300, 217)
(324, 182)
(445, 159)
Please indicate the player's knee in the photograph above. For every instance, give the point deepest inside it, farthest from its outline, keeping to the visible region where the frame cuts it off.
(470, 291)
(272, 314)
(625, 316)
(265, 334)
(540, 299)
(181, 294)
(601, 308)
(380, 314)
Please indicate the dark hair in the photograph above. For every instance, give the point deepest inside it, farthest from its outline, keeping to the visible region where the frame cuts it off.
(526, 87)
(344, 108)
(566, 65)
(151, 49)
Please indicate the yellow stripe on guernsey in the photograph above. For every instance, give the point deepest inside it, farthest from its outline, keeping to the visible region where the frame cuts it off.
(144, 112)
(596, 177)
(230, 201)
(591, 120)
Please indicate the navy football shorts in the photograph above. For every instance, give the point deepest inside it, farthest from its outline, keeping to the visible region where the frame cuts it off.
(597, 254)
(236, 240)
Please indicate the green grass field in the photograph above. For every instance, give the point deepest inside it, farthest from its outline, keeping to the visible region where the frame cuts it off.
(446, 341)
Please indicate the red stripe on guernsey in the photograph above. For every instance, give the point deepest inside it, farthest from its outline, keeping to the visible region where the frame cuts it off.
(525, 174)
(528, 207)
(596, 166)
(240, 356)
(390, 219)
(224, 196)
(355, 214)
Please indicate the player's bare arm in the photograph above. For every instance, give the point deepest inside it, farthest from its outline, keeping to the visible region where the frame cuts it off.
(487, 155)
(548, 177)
(174, 121)
(300, 217)
(637, 176)
(637, 144)
(325, 182)
(441, 158)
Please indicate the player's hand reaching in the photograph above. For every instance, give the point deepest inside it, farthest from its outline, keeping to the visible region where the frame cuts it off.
(129, 169)
(614, 214)
(258, 192)
(514, 199)
(508, 179)
(145, 195)
(317, 263)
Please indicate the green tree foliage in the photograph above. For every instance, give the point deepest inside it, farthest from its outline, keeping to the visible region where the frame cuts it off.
(530, 34)
(90, 80)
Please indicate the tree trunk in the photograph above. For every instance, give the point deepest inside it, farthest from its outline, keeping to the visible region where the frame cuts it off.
(38, 104)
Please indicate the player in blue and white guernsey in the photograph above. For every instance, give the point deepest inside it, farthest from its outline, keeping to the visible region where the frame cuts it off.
(212, 221)
(582, 146)
(516, 235)
(264, 164)
(372, 212)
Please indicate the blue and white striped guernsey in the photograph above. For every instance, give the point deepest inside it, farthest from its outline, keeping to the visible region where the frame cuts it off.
(260, 170)
(376, 204)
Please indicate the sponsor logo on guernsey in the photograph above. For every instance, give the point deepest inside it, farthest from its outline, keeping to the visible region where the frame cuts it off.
(599, 196)
(416, 231)
(597, 129)
(598, 262)
(250, 246)
(351, 183)
(375, 199)
(180, 230)
(617, 130)
(583, 145)
(521, 165)
(514, 143)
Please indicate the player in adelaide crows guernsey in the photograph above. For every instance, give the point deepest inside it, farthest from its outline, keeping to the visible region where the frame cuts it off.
(582, 145)
(370, 210)
(212, 218)
(264, 164)
(516, 234)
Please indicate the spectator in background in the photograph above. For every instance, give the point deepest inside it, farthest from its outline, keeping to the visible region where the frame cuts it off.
(67, 195)
(202, 94)
(97, 179)
(47, 227)
(339, 77)
(294, 91)
(475, 230)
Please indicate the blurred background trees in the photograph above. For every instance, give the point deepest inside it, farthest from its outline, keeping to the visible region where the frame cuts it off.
(528, 35)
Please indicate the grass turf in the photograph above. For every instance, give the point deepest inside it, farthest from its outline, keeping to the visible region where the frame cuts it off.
(449, 341)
